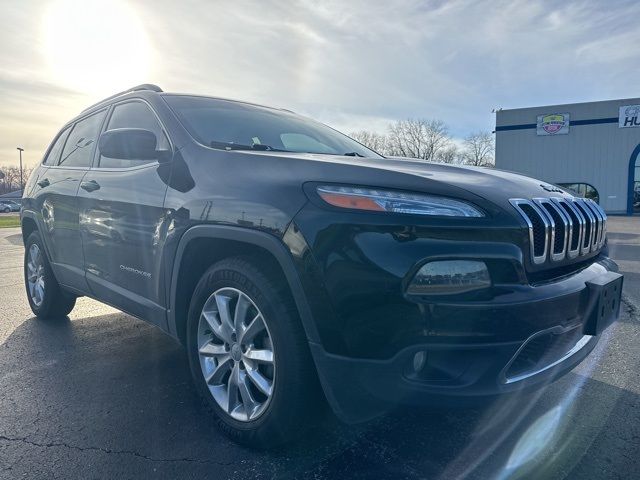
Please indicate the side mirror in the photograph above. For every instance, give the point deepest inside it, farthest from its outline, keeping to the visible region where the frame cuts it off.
(130, 144)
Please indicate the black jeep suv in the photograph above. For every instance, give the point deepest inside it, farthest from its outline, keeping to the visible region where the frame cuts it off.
(298, 266)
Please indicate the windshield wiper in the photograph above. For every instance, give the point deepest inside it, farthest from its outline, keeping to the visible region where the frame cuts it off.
(352, 154)
(239, 146)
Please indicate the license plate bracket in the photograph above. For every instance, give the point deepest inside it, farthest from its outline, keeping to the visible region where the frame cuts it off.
(605, 294)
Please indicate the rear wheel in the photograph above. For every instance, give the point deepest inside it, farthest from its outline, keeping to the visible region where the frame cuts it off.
(249, 357)
(45, 296)
(7, 210)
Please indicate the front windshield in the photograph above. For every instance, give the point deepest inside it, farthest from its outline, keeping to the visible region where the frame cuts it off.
(240, 126)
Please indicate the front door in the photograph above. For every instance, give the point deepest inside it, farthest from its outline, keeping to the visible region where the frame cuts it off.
(122, 221)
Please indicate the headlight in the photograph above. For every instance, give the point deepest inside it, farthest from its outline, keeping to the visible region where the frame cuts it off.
(393, 201)
(447, 277)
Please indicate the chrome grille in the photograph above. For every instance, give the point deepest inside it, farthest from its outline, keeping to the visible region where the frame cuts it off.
(562, 228)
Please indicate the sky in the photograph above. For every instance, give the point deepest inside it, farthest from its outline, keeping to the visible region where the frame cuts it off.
(353, 65)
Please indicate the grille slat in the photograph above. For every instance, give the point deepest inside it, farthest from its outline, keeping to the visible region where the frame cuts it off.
(559, 228)
(600, 224)
(589, 229)
(576, 227)
(562, 228)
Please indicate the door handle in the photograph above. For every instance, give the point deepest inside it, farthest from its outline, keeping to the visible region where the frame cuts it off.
(44, 183)
(90, 185)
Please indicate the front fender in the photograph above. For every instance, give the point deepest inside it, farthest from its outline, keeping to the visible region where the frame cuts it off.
(256, 238)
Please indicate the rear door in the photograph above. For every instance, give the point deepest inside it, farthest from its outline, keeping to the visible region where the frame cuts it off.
(55, 197)
(123, 221)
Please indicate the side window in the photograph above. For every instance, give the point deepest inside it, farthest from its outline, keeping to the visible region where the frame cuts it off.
(78, 151)
(134, 115)
(54, 153)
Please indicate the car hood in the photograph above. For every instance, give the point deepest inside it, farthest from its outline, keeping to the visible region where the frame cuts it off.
(497, 186)
(483, 181)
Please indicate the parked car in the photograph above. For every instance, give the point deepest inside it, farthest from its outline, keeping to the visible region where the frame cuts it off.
(8, 206)
(298, 266)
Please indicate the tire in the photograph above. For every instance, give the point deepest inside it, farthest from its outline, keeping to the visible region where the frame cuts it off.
(7, 210)
(46, 298)
(294, 398)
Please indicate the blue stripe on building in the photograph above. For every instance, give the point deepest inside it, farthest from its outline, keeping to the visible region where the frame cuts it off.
(572, 123)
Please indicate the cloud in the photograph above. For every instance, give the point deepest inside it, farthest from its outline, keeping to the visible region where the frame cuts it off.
(453, 60)
(31, 112)
(353, 65)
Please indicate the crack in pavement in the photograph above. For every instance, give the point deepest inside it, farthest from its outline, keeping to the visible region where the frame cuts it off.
(110, 452)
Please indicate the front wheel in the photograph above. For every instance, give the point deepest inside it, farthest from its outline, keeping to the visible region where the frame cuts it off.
(45, 296)
(7, 210)
(249, 357)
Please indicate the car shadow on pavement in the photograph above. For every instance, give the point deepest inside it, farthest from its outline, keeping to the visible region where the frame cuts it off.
(115, 387)
(15, 239)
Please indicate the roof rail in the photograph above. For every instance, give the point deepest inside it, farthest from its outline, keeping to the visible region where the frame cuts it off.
(145, 86)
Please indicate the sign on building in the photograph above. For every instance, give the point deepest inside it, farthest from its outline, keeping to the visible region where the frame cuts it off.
(629, 116)
(553, 124)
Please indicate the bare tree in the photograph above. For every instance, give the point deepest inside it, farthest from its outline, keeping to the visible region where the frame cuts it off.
(479, 149)
(429, 140)
(373, 140)
(11, 179)
(418, 138)
(449, 154)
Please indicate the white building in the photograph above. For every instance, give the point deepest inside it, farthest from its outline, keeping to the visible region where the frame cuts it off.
(592, 148)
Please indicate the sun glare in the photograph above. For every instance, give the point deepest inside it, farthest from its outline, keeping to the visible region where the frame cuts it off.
(95, 47)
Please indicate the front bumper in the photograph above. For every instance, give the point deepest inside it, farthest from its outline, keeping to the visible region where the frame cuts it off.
(549, 336)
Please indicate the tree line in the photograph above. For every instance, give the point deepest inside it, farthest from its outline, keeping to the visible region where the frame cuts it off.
(10, 178)
(429, 140)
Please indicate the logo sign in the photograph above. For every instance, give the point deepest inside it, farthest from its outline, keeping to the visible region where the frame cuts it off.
(553, 124)
(629, 116)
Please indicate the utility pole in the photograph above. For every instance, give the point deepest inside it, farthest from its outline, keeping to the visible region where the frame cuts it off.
(21, 178)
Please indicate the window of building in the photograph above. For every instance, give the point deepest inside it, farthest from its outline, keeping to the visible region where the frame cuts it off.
(582, 190)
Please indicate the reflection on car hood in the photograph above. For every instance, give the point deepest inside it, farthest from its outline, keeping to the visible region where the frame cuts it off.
(489, 183)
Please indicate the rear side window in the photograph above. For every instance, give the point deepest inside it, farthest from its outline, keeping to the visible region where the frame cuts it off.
(54, 153)
(134, 115)
(78, 151)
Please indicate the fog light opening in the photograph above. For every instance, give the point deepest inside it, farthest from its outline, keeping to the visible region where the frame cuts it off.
(419, 361)
(449, 277)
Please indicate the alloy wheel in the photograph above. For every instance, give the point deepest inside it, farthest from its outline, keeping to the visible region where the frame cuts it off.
(35, 275)
(236, 354)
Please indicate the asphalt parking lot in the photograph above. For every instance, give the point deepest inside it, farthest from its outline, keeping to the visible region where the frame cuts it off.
(103, 395)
